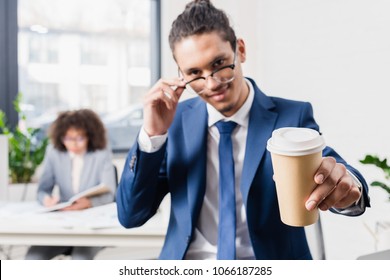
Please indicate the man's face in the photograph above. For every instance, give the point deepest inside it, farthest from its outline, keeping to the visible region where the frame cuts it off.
(200, 55)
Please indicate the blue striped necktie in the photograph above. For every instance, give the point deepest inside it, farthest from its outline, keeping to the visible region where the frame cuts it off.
(227, 197)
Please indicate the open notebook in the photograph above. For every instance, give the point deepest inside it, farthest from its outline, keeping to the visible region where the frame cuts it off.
(96, 190)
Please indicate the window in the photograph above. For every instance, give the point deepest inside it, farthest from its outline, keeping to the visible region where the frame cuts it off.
(94, 51)
(42, 49)
(86, 54)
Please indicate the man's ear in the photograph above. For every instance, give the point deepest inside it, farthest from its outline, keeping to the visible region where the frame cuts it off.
(241, 50)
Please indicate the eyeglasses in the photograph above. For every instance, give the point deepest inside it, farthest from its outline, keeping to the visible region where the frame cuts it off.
(222, 75)
(77, 140)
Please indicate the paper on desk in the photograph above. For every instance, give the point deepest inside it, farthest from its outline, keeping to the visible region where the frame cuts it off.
(100, 217)
(19, 208)
(27, 214)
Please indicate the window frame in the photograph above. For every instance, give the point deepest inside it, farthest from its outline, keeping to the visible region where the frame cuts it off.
(9, 86)
(9, 81)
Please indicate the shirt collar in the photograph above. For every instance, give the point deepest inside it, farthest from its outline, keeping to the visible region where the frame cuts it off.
(241, 117)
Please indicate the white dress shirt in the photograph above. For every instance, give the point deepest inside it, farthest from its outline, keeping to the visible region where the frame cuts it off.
(77, 167)
(204, 242)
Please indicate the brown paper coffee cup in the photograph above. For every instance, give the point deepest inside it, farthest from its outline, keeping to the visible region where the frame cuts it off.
(296, 156)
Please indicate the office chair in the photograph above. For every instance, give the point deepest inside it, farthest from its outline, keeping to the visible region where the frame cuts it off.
(116, 174)
(116, 181)
(315, 238)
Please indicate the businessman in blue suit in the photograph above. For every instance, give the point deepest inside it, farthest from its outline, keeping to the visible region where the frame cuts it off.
(177, 153)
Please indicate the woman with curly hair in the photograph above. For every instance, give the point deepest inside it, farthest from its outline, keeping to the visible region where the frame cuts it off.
(77, 159)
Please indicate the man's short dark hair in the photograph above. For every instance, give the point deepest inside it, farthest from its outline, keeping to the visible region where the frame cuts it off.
(200, 17)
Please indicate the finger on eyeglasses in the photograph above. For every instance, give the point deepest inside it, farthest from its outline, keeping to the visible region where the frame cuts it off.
(173, 82)
(172, 92)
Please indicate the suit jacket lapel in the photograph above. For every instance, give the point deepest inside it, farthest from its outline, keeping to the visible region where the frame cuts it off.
(261, 124)
(194, 124)
(65, 175)
(85, 172)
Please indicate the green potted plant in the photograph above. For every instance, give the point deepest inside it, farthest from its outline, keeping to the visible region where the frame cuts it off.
(382, 164)
(25, 152)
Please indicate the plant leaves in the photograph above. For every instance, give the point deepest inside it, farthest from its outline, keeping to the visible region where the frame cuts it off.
(382, 164)
(25, 152)
(381, 185)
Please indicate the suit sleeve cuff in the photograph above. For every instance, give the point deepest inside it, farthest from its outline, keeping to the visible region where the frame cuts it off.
(359, 206)
(150, 144)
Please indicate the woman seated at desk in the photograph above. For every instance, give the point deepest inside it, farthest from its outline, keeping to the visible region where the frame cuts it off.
(77, 159)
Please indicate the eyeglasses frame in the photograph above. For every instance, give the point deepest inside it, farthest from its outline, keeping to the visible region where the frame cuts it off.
(232, 66)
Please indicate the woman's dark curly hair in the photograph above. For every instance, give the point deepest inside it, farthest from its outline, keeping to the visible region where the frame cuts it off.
(200, 17)
(83, 119)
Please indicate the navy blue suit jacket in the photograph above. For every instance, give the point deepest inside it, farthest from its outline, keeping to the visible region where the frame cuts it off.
(179, 168)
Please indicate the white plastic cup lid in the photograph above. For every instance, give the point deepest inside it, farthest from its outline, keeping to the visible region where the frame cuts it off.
(295, 141)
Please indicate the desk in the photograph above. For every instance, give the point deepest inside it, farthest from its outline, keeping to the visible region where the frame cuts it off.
(381, 255)
(98, 226)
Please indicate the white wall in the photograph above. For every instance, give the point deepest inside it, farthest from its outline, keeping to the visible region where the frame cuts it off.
(336, 55)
